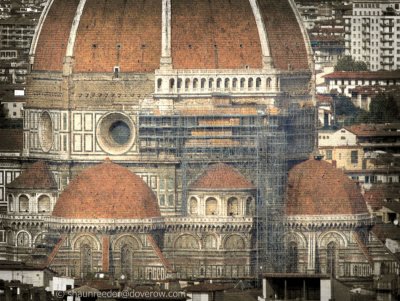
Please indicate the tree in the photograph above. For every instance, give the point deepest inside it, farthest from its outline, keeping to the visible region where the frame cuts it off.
(347, 63)
(383, 109)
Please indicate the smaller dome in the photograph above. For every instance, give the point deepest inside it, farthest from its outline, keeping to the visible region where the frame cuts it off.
(221, 177)
(316, 187)
(107, 190)
(37, 177)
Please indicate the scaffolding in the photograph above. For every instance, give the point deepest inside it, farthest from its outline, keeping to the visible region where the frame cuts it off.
(259, 142)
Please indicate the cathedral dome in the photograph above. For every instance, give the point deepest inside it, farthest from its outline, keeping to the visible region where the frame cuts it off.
(218, 34)
(107, 190)
(221, 177)
(316, 187)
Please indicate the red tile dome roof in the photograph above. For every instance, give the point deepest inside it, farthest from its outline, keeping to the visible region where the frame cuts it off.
(37, 176)
(205, 34)
(221, 177)
(316, 187)
(107, 190)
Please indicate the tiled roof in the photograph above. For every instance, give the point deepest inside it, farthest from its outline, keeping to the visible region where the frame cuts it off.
(370, 130)
(383, 75)
(316, 187)
(107, 190)
(36, 176)
(221, 177)
(11, 140)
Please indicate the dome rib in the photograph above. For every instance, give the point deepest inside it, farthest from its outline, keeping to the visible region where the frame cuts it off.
(107, 190)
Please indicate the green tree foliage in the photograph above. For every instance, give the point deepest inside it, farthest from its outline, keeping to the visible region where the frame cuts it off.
(384, 108)
(347, 63)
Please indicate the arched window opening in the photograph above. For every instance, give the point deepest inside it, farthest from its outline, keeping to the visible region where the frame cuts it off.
(171, 84)
(203, 83)
(23, 239)
(179, 84)
(242, 82)
(193, 206)
(211, 206)
(187, 83)
(195, 84)
(159, 84)
(233, 206)
(226, 85)
(331, 259)
(250, 84)
(249, 206)
(126, 261)
(23, 203)
(293, 257)
(210, 83)
(268, 82)
(219, 81)
(258, 83)
(44, 203)
(234, 83)
(86, 260)
(11, 205)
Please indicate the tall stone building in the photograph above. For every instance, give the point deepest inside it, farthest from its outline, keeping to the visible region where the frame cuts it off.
(157, 140)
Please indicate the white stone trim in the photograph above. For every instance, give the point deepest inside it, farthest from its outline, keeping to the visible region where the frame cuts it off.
(39, 27)
(262, 32)
(166, 34)
(74, 28)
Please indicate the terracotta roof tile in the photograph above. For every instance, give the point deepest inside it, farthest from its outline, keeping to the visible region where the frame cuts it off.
(364, 75)
(107, 190)
(316, 187)
(36, 176)
(221, 176)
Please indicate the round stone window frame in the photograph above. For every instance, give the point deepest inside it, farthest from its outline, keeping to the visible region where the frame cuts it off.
(46, 131)
(104, 136)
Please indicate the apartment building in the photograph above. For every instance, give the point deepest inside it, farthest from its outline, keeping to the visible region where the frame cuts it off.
(373, 33)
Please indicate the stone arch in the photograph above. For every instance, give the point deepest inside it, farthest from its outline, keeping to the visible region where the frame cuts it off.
(186, 242)
(23, 239)
(210, 83)
(195, 84)
(219, 83)
(179, 83)
(203, 83)
(11, 203)
(39, 238)
(234, 83)
(159, 84)
(86, 239)
(258, 83)
(268, 82)
(250, 83)
(297, 237)
(23, 203)
(233, 208)
(187, 84)
(44, 203)
(250, 206)
(210, 242)
(171, 84)
(325, 238)
(211, 206)
(242, 83)
(234, 242)
(126, 239)
(193, 206)
(226, 83)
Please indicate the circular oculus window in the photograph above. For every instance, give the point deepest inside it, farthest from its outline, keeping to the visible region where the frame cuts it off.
(45, 131)
(115, 133)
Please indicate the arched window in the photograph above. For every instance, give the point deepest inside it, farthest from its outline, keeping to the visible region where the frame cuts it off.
(195, 84)
(126, 261)
(171, 84)
(44, 203)
(210, 242)
(86, 260)
(242, 82)
(159, 84)
(268, 82)
(226, 85)
(187, 83)
(23, 203)
(293, 257)
(211, 206)
(331, 258)
(193, 206)
(23, 239)
(250, 84)
(219, 81)
(233, 207)
(11, 205)
(210, 83)
(234, 83)
(258, 83)
(234, 242)
(249, 206)
(203, 83)
(179, 85)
